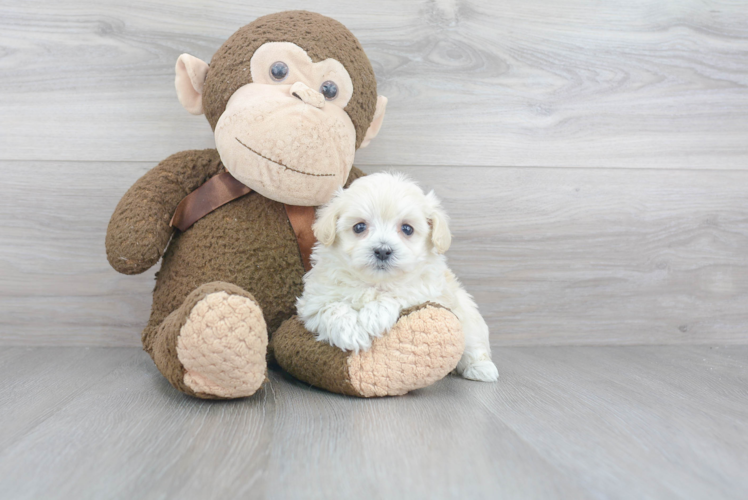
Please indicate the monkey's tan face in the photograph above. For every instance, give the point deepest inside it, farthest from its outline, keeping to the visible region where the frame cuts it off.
(286, 134)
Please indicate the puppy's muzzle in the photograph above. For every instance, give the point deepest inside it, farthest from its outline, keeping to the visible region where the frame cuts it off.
(383, 254)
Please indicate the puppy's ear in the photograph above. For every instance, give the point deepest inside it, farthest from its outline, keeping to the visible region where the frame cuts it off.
(325, 226)
(439, 222)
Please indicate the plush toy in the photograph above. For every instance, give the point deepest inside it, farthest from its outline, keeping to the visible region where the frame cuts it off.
(290, 98)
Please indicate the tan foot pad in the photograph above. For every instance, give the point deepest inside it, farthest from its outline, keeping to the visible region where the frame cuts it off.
(222, 346)
(423, 347)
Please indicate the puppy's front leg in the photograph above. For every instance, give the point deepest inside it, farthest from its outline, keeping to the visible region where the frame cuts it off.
(338, 324)
(377, 317)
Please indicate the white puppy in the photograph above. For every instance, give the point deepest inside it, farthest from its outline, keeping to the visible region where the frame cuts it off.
(379, 250)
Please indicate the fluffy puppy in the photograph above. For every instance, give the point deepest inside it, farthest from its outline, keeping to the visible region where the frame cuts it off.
(380, 249)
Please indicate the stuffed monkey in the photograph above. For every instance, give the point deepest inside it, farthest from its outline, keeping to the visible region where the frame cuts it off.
(290, 97)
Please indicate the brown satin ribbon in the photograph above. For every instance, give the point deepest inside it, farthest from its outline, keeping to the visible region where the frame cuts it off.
(302, 219)
(216, 192)
(223, 188)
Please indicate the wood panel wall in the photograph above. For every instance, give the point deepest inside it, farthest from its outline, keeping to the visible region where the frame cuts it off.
(593, 156)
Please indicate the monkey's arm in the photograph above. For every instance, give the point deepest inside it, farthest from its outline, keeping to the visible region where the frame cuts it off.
(139, 229)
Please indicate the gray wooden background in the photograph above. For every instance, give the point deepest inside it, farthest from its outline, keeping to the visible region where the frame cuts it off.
(593, 155)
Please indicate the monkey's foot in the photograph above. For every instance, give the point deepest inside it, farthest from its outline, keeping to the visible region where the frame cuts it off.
(423, 347)
(220, 344)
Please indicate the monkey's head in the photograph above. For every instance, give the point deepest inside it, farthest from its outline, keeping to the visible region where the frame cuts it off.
(290, 97)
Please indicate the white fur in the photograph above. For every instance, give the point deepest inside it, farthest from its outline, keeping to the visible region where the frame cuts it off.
(351, 297)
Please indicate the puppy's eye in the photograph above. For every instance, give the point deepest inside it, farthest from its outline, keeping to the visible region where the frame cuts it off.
(359, 228)
(279, 71)
(407, 229)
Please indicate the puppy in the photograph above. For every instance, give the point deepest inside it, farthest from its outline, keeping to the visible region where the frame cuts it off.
(379, 250)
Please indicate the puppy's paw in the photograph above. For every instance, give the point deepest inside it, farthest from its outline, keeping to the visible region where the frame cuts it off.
(482, 371)
(352, 339)
(377, 318)
(339, 326)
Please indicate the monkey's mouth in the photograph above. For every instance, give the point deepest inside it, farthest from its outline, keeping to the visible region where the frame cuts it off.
(282, 165)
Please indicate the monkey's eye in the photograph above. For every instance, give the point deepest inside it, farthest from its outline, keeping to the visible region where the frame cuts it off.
(359, 228)
(279, 71)
(329, 90)
(407, 229)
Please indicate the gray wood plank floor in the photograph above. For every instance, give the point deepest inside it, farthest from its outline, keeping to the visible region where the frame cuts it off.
(563, 422)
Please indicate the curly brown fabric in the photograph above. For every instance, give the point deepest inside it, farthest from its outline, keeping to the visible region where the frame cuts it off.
(139, 229)
(299, 353)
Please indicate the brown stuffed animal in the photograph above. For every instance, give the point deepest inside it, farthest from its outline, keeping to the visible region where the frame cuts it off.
(290, 98)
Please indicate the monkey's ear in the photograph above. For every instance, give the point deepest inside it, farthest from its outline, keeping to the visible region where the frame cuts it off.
(439, 222)
(326, 225)
(189, 81)
(376, 122)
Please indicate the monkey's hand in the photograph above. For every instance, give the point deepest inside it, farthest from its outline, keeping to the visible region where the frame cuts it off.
(139, 229)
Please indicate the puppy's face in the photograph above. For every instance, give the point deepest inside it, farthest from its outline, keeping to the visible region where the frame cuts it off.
(384, 226)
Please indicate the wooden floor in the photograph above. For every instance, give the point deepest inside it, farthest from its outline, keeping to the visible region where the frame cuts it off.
(563, 422)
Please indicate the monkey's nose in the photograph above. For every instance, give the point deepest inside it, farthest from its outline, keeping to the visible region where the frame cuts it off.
(383, 253)
(302, 91)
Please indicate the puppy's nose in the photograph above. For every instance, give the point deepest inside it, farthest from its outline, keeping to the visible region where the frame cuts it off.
(383, 253)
